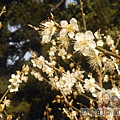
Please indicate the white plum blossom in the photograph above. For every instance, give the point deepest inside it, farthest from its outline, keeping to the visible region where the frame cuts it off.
(109, 65)
(79, 74)
(38, 76)
(38, 62)
(64, 41)
(15, 79)
(109, 40)
(34, 62)
(100, 43)
(24, 78)
(84, 43)
(62, 53)
(104, 59)
(98, 35)
(106, 78)
(60, 84)
(13, 88)
(53, 81)
(95, 61)
(47, 69)
(90, 85)
(47, 31)
(69, 28)
(115, 61)
(80, 88)
(66, 82)
(32, 72)
(114, 91)
(41, 62)
(25, 69)
(52, 51)
(6, 102)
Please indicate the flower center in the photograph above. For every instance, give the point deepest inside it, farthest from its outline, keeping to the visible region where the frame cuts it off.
(70, 28)
(84, 42)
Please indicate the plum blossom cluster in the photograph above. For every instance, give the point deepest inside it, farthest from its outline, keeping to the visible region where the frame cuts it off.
(15, 80)
(67, 41)
(83, 43)
(61, 80)
(87, 44)
(63, 65)
(4, 103)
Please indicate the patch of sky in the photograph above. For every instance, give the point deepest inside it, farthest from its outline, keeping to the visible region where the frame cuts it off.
(73, 2)
(27, 56)
(11, 60)
(13, 28)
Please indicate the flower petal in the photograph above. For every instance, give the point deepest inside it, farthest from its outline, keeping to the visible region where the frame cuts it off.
(77, 46)
(76, 27)
(71, 34)
(53, 30)
(73, 21)
(79, 36)
(92, 80)
(92, 44)
(63, 32)
(92, 89)
(89, 35)
(64, 23)
(48, 24)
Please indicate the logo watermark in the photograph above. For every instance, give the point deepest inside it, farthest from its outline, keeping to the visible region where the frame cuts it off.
(100, 112)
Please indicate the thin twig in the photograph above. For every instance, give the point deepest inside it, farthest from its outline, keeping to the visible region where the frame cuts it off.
(3, 11)
(99, 78)
(83, 15)
(58, 5)
(108, 52)
(89, 98)
(117, 43)
(4, 95)
(65, 98)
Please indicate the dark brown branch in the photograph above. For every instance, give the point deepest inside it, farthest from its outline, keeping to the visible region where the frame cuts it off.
(58, 5)
(108, 52)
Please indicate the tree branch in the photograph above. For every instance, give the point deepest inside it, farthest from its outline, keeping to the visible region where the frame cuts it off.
(108, 52)
(58, 5)
(83, 15)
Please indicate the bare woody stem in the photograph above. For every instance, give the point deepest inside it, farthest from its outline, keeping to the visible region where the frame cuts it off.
(3, 10)
(99, 78)
(58, 5)
(4, 95)
(83, 15)
(68, 101)
(89, 98)
(108, 52)
(117, 43)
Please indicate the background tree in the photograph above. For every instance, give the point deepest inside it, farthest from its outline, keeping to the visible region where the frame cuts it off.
(16, 38)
